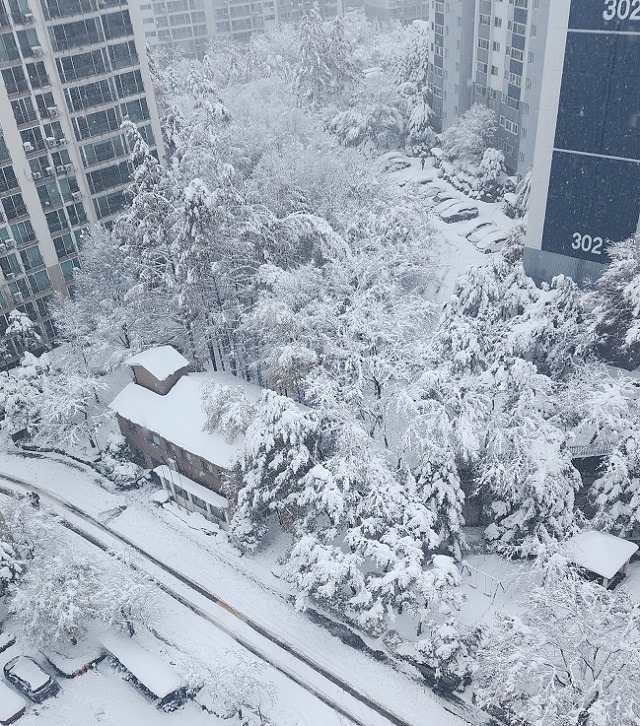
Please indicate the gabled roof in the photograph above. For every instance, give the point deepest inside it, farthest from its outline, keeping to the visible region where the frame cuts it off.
(162, 362)
(178, 416)
(600, 552)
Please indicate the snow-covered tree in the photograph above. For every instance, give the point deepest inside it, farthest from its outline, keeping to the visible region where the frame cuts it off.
(314, 78)
(57, 598)
(227, 409)
(449, 650)
(525, 474)
(12, 566)
(466, 141)
(616, 491)
(555, 331)
(235, 686)
(22, 331)
(615, 301)
(491, 169)
(523, 193)
(571, 657)
(20, 395)
(278, 451)
(345, 74)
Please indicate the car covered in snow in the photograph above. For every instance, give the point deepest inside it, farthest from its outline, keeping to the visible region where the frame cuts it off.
(438, 197)
(12, 706)
(30, 679)
(493, 242)
(395, 163)
(459, 212)
(479, 230)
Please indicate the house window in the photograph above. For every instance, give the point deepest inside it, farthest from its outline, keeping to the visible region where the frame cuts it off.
(206, 466)
(155, 439)
(180, 492)
(200, 503)
(218, 513)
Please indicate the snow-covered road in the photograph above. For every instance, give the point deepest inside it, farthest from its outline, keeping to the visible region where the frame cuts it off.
(353, 685)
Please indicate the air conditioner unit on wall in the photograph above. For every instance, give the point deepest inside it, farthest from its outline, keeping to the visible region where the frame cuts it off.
(76, 195)
(18, 297)
(48, 171)
(61, 141)
(51, 141)
(27, 146)
(53, 111)
(37, 50)
(36, 175)
(60, 169)
(68, 168)
(10, 242)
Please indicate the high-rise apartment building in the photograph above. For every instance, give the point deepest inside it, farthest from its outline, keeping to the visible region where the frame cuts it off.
(451, 28)
(508, 55)
(72, 71)
(404, 11)
(188, 26)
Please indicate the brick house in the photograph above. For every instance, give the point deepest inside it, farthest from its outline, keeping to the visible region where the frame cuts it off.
(161, 417)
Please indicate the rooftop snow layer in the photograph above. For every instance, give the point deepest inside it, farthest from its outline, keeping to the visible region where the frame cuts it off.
(178, 416)
(154, 674)
(161, 362)
(600, 552)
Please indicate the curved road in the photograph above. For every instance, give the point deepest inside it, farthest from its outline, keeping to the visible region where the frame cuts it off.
(211, 597)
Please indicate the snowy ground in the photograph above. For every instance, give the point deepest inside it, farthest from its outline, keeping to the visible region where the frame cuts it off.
(249, 586)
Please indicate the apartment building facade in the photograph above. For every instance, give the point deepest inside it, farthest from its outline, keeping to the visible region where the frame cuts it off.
(385, 11)
(72, 71)
(508, 57)
(450, 68)
(188, 26)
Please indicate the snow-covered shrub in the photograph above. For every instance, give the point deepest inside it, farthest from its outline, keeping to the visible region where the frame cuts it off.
(228, 410)
(12, 566)
(115, 464)
(448, 652)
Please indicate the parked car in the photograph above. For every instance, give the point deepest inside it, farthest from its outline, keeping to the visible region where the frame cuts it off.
(30, 679)
(435, 200)
(12, 705)
(459, 213)
(493, 242)
(395, 164)
(479, 230)
(447, 204)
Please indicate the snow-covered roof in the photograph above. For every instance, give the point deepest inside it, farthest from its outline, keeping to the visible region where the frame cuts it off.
(166, 472)
(600, 552)
(156, 675)
(178, 416)
(10, 703)
(161, 362)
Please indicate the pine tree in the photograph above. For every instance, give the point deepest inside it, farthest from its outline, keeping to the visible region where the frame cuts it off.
(314, 77)
(615, 302)
(616, 492)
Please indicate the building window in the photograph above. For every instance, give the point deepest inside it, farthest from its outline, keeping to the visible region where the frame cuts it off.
(117, 25)
(82, 65)
(64, 246)
(14, 206)
(67, 267)
(39, 281)
(155, 439)
(181, 493)
(200, 503)
(31, 257)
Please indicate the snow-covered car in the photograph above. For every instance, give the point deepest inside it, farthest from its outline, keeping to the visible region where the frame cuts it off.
(12, 705)
(447, 204)
(395, 164)
(30, 679)
(479, 230)
(459, 213)
(493, 242)
(433, 200)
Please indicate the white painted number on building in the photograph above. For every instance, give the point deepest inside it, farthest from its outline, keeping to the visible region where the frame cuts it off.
(586, 242)
(622, 10)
